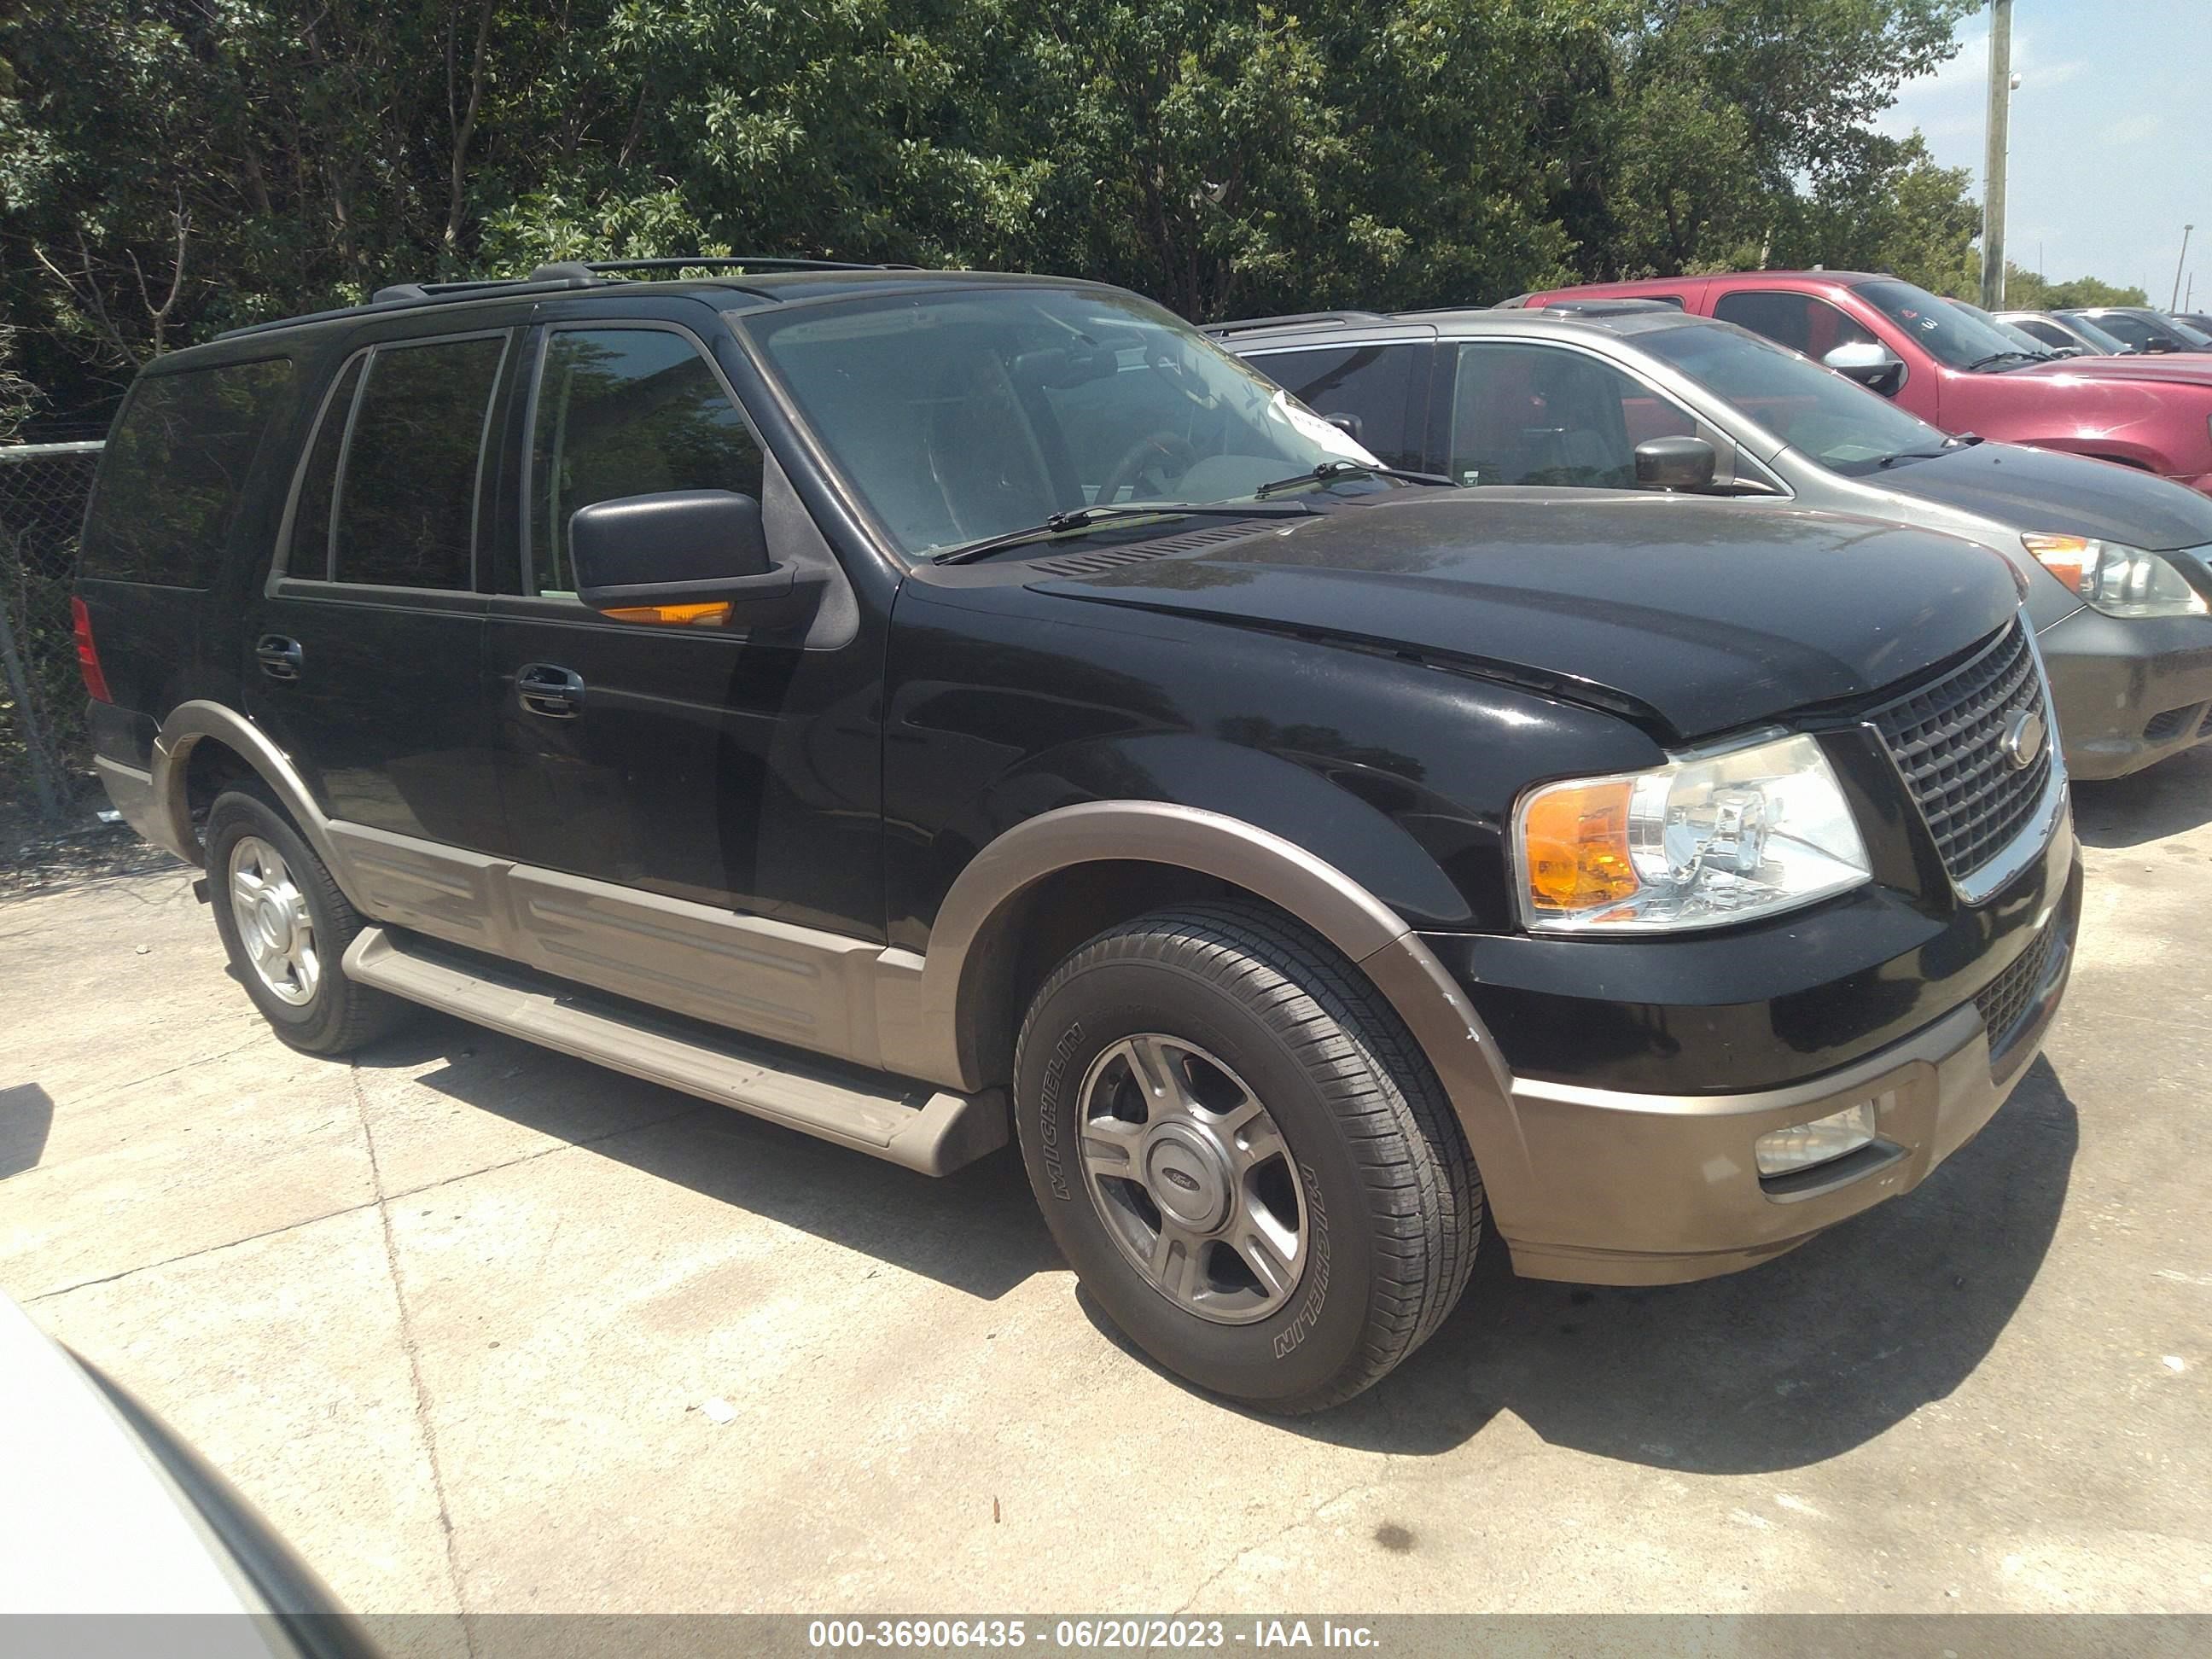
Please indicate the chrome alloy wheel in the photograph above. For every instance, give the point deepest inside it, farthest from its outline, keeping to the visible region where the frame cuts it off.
(1192, 1179)
(273, 923)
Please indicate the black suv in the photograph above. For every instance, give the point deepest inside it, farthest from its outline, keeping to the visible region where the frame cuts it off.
(918, 708)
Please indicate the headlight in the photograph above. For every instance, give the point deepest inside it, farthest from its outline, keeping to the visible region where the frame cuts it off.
(2120, 581)
(1702, 841)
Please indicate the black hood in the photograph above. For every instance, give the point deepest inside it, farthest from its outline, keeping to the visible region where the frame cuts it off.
(2034, 489)
(1692, 617)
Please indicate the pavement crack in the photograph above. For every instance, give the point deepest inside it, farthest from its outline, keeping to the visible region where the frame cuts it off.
(187, 1255)
(1307, 1519)
(155, 1077)
(412, 1348)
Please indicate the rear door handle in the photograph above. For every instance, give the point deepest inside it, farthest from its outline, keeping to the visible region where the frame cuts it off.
(555, 692)
(279, 657)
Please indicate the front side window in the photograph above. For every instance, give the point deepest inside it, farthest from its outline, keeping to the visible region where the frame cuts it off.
(1837, 422)
(2048, 333)
(1804, 322)
(171, 477)
(409, 470)
(1371, 384)
(626, 411)
(1545, 415)
(966, 413)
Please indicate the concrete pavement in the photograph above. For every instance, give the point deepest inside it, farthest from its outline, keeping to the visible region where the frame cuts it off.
(480, 1327)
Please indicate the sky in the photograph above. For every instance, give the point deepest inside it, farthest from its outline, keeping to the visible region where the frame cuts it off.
(2111, 142)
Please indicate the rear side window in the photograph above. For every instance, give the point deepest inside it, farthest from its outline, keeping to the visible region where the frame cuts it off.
(1801, 321)
(1372, 384)
(394, 474)
(626, 411)
(174, 469)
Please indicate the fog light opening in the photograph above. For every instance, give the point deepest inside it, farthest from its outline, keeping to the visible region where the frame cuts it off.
(1807, 1146)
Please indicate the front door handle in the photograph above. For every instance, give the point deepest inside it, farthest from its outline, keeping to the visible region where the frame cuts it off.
(279, 657)
(554, 692)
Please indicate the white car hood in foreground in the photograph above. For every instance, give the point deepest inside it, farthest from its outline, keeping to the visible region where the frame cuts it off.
(92, 1523)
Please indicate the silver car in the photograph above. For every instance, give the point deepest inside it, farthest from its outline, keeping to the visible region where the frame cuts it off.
(1610, 394)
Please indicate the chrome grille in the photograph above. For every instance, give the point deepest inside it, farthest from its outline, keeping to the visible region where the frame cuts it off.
(1947, 738)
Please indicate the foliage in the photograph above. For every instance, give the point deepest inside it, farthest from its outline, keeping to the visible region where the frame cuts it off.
(172, 167)
(2030, 290)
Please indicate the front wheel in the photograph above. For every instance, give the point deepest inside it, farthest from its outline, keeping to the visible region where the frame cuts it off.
(1243, 1155)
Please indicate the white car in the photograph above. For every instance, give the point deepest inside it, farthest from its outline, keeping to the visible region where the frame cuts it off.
(113, 1515)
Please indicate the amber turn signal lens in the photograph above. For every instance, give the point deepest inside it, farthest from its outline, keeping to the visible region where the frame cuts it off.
(2065, 557)
(1575, 838)
(679, 616)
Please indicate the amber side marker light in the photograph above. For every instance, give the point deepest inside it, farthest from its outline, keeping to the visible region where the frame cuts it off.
(674, 616)
(1577, 847)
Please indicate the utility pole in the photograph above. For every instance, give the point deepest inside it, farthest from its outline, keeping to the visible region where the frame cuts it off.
(1993, 168)
(2173, 301)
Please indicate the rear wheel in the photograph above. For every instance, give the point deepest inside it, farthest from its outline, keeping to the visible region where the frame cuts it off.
(286, 926)
(1243, 1155)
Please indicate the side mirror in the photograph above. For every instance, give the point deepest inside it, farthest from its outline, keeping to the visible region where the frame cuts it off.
(1869, 362)
(1684, 464)
(1348, 424)
(681, 556)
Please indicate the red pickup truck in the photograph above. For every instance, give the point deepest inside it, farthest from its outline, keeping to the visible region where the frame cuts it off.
(1952, 369)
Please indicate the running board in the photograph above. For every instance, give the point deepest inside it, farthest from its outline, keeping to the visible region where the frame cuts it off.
(923, 1128)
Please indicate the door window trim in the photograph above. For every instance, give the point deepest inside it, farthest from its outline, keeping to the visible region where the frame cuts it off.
(282, 580)
(1729, 455)
(528, 452)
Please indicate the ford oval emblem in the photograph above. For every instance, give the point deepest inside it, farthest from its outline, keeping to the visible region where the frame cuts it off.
(2023, 739)
(1188, 1184)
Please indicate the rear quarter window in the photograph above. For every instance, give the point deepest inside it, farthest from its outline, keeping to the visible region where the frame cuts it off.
(174, 472)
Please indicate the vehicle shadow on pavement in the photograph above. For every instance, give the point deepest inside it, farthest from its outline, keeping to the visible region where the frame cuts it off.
(2165, 800)
(1786, 1365)
(975, 1231)
(26, 1114)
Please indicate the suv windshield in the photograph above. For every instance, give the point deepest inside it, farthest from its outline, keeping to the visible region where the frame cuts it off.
(1843, 426)
(1950, 336)
(970, 413)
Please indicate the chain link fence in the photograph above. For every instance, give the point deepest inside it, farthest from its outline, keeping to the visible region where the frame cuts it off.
(43, 753)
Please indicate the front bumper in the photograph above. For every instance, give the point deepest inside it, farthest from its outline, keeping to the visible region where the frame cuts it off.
(2128, 690)
(1642, 1189)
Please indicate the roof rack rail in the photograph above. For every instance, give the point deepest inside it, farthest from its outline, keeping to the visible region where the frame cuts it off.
(1297, 318)
(556, 275)
(581, 273)
(720, 261)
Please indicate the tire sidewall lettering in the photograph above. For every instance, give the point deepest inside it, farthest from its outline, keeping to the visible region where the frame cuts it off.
(1049, 1112)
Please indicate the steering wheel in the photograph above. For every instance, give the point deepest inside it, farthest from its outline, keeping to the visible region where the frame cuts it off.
(1163, 451)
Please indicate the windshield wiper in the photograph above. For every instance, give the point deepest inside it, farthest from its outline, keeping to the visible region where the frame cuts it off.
(1087, 517)
(1350, 469)
(1956, 440)
(2002, 357)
